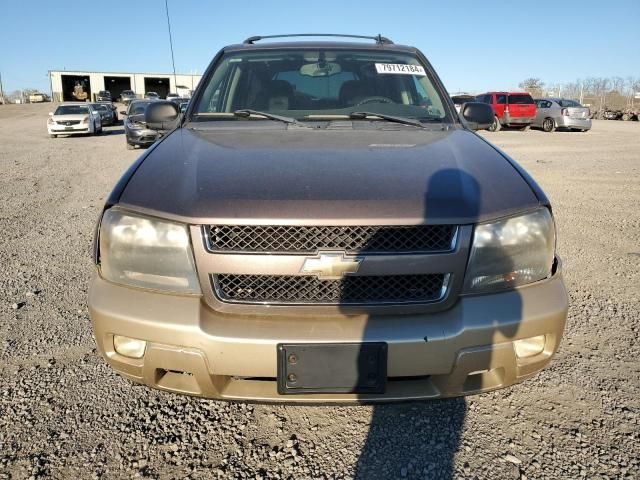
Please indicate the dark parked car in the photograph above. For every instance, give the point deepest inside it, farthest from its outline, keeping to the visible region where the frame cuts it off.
(103, 96)
(106, 113)
(321, 226)
(137, 133)
(459, 100)
(127, 96)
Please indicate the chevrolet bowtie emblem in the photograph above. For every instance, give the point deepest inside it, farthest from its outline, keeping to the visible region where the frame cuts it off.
(331, 266)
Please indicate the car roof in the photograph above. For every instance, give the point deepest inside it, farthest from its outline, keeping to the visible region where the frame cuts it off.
(502, 91)
(320, 44)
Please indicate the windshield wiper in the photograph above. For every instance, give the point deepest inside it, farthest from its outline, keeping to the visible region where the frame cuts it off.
(388, 118)
(246, 113)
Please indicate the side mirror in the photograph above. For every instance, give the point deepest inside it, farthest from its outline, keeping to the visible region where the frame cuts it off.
(51, 114)
(476, 115)
(161, 115)
(123, 112)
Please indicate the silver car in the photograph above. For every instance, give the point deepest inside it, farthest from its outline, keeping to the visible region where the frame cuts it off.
(555, 113)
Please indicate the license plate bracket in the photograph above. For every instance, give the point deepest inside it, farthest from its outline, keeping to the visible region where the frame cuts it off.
(332, 368)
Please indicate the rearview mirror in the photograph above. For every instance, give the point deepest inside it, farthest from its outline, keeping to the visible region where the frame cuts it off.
(477, 115)
(161, 115)
(320, 69)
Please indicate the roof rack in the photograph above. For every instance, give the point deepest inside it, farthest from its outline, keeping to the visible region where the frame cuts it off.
(379, 39)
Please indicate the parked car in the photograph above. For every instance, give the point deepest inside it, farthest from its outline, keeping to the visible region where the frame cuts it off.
(612, 114)
(137, 133)
(151, 96)
(113, 109)
(459, 100)
(127, 96)
(325, 228)
(39, 98)
(555, 113)
(103, 96)
(172, 96)
(512, 109)
(74, 118)
(106, 114)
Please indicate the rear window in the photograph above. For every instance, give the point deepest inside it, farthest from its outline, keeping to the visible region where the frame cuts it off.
(138, 108)
(569, 103)
(520, 100)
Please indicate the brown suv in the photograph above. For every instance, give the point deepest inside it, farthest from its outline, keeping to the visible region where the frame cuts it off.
(322, 226)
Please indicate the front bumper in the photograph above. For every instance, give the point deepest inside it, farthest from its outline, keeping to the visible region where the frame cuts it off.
(194, 350)
(144, 137)
(64, 130)
(568, 122)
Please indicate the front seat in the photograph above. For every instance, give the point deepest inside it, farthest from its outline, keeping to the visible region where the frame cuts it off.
(352, 91)
(276, 95)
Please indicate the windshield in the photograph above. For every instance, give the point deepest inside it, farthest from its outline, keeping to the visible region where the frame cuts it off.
(308, 84)
(520, 99)
(569, 103)
(72, 110)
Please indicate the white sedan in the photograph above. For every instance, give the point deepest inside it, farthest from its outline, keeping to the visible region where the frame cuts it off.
(74, 118)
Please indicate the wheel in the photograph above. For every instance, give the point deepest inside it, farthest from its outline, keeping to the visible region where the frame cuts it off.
(130, 147)
(626, 117)
(495, 126)
(548, 125)
(53, 135)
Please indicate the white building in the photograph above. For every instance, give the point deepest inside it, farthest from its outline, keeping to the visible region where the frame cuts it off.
(65, 83)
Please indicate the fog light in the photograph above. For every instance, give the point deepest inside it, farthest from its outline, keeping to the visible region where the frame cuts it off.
(529, 347)
(129, 347)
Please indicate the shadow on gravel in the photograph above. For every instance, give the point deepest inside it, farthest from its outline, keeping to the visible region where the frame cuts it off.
(421, 439)
(118, 131)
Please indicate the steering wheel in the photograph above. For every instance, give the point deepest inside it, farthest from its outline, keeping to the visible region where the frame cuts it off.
(374, 99)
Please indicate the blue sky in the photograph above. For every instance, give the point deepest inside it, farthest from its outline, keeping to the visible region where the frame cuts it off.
(473, 45)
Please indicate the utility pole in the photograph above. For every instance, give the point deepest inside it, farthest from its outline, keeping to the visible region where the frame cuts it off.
(175, 80)
(1, 91)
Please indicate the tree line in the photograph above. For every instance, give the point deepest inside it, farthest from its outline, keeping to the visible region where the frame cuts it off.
(597, 92)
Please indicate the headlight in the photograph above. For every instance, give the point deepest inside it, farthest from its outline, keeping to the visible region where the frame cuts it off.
(146, 252)
(511, 252)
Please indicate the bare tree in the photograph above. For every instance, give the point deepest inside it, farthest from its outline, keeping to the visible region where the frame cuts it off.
(532, 85)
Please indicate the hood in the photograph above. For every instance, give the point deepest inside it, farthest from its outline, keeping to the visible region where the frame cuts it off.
(64, 118)
(307, 176)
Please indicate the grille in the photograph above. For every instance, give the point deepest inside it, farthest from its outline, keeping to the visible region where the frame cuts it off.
(305, 239)
(68, 122)
(295, 289)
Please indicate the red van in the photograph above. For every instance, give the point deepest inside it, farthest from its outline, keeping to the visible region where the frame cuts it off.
(512, 109)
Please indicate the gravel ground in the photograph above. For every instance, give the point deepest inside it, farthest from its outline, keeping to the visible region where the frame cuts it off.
(65, 414)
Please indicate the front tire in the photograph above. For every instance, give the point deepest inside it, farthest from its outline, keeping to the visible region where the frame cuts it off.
(495, 126)
(548, 125)
(53, 135)
(130, 147)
